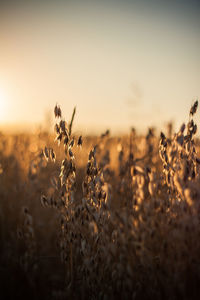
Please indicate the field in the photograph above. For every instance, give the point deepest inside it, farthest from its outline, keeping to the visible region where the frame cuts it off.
(100, 217)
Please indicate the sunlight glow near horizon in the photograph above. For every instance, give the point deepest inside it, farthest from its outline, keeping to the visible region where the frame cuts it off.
(122, 64)
(3, 105)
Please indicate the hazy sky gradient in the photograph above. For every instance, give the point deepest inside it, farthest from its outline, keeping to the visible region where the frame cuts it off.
(122, 63)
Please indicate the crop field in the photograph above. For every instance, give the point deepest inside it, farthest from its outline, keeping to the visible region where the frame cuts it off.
(100, 217)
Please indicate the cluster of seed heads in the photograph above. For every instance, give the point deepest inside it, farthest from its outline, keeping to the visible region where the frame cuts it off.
(57, 111)
(126, 227)
(180, 160)
(49, 154)
(26, 233)
(68, 169)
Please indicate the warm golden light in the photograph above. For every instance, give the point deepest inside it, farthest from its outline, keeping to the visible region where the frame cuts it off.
(3, 104)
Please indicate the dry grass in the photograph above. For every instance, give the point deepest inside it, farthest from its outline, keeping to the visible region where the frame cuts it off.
(100, 218)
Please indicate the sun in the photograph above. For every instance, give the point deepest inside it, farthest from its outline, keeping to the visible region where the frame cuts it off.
(3, 104)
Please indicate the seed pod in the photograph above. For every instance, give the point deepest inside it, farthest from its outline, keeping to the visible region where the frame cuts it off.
(59, 138)
(91, 154)
(88, 171)
(62, 125)
(180, 139)
(71, 153)
(57, 128)
(194, 129)
(57, 111)
(46, 153)
(52, 155)
(162, 136)
(182, 128)
(71, 144)
(44, 200)
(194, 108)
(80, 141)
(95, 171)
(66, 140)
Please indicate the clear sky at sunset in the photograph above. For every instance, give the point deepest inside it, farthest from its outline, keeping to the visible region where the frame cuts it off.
(122, 63)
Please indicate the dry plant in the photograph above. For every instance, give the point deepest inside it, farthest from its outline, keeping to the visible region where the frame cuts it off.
(118, 217)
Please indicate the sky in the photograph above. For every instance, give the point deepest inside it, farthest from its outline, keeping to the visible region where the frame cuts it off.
(121, 63)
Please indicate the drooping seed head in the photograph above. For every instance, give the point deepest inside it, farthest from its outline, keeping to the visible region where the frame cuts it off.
(57, 111)
(80, 141)
(57, 128)
(194, 108)
(62, 125)
(46, 153)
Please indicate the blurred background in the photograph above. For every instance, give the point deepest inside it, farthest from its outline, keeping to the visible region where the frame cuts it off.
(121, 63)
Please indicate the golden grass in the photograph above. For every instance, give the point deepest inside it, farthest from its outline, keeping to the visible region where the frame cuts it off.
(100, 217)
